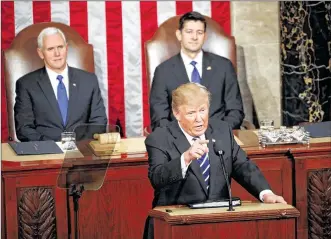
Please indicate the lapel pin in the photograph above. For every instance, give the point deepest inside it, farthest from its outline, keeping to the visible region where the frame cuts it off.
(208, 68)
(74, 84)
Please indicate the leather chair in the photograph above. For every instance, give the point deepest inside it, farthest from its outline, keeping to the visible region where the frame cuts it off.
(21, 58)
(164, 45)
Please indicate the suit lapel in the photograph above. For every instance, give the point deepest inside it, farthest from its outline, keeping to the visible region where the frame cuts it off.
(180, 70)
(208, 70)
(46, 87)
(73, 94)
(182, 144)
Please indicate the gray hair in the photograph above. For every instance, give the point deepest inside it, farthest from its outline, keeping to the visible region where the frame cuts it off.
(49, 31)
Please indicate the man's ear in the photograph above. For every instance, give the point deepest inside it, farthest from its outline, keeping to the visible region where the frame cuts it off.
(179, 35)
(205, 37)
(40, 53)
(176, 114)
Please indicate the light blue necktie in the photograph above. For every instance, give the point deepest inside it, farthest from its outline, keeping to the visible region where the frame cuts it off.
(62, 99)
(204, 166)
(195, 73)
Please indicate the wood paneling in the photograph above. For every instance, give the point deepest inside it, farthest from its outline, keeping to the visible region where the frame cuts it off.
(119, 208)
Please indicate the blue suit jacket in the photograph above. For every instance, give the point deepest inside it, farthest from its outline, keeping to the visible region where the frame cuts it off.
(36, 110)
(166, 145)
(218, 76)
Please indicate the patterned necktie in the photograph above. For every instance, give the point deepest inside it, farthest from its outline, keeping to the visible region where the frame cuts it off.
(204, 166)
(195, 78)
(62, 99)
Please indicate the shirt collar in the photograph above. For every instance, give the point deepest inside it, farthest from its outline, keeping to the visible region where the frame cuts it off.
(52, 74)
(187, 60)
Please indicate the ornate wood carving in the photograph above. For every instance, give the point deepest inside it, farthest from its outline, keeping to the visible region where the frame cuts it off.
(36, 213)
(319, 204)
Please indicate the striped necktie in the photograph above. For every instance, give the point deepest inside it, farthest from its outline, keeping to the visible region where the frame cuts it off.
(195, 78)
(204, 166)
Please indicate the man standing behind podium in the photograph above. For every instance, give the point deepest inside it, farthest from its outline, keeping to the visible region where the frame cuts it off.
(57, 97)
(183, 166)
(194, 65)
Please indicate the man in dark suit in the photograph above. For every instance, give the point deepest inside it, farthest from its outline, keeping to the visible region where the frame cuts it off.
(57, 97)
(194, 65)
(183, 166)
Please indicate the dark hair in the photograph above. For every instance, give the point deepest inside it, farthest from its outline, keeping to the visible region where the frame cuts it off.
(192, 16)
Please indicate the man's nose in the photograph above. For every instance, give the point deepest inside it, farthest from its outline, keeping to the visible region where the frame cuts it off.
(195, 35)
(56, 52)
(198, 117)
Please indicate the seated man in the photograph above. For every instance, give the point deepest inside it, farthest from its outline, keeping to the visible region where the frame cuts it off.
(194, 65)
(57, 97)
(183, 167)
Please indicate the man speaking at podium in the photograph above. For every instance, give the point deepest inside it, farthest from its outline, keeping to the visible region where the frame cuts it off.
(183, 165)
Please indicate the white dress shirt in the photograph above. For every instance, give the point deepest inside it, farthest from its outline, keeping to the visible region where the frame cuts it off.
(55, 82)
(185, 167)
(187, 63)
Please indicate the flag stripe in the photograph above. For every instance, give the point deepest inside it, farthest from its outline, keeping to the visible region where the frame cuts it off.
(203, 7)
(115, 64)
(96, 16)
(23, 15)
(78, 18)
(165, 10)
(148, 13)
(60, 12)
(118, 31)
(132, 67)
(183, 7)
(221, 13)
(41, 11)
(7, 36)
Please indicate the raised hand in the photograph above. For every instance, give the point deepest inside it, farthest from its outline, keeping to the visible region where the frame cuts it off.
(198, 148)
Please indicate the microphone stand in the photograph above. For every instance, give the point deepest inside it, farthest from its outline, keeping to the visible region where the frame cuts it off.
(220, 153)
(76, 192)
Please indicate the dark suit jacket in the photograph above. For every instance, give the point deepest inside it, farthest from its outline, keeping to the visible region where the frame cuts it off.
(220, 80)
(36, 110)
(166, 145)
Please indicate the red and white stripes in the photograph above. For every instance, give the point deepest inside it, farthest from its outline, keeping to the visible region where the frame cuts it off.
(118, 31)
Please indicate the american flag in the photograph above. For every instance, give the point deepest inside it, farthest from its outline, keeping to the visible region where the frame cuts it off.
(118, 31)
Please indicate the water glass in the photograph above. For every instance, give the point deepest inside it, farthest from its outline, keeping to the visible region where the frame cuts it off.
(68, 140)
(267, 124)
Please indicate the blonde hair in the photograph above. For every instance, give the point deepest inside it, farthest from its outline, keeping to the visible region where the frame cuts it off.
(49, 31)
(189, 92)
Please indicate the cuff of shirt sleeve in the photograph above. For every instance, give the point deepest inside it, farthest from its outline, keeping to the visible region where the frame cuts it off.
(262, 193)
(183, 165)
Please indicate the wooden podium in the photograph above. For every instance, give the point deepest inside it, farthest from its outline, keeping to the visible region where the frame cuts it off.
(251, 220)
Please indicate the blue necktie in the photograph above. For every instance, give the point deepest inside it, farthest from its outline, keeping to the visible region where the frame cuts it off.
(204, 166)
(195, 73)
(62, 99)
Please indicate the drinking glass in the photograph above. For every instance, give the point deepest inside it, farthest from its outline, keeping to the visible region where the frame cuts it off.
(68, 140)
(267, 124)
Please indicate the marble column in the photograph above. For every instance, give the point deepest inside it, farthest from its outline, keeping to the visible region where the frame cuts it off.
(255, 26)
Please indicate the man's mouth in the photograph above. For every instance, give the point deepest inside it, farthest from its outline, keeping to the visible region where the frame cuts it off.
(198, 127)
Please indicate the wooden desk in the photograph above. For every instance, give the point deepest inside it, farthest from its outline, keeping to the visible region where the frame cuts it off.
(251, 220)
(313, 191)
(120, 207)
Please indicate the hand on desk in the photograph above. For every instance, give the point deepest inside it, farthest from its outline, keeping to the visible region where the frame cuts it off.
(273, 198)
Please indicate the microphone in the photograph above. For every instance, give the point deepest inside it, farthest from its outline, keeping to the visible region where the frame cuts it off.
(219, 152)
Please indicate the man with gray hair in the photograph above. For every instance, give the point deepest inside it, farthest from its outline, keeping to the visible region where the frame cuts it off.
(57, 97)
(183, 166)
